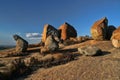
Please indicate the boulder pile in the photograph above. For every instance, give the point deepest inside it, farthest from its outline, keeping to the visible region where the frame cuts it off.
(101, 31)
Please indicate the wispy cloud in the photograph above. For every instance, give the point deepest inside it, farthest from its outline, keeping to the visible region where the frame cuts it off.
(18, 33)
(33, 35)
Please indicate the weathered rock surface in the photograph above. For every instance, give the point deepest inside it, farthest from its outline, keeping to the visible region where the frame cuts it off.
(89, 51)
(67, 31)
(49, 30)
(110, 30)
(99, 29)
(50, 44)
(12, 69)
(5, 73)
(21, 44)
(116, 31)
(116, 38)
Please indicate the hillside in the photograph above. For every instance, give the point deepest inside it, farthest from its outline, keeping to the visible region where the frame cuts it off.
(102, 67)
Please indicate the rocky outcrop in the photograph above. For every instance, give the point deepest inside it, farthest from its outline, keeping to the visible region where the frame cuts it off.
(21, 44)
(50, 44)
(89, 50)
(116, 31)
(99, 29)
(14, 69)
(49, 30)
(110, 30)
(116, 38)
(67, 31)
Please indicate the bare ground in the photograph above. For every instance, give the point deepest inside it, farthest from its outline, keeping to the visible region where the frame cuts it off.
(103, 67)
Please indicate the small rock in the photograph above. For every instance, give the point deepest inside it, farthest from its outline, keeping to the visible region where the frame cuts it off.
(89, 51)
(27, 61)
(58, 56)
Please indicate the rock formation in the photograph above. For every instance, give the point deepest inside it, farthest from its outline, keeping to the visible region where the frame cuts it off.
(99, 29)
(67, 31)
(50, 30)
(21, 44)
(116, 31)
(116, 38)
(89, 50)
(12, 69)
(50, 44)
(110, 30)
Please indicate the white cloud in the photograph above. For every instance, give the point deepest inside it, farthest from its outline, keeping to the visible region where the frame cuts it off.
(18, 33)
(33, 35)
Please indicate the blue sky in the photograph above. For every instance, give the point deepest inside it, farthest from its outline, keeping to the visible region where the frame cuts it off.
(29, 16)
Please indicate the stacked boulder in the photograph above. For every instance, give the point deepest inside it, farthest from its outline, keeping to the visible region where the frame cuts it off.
(51, 36)
(99, 29)
(116, 38)
(50, 39)
(49, 30)
(21, 44)
(110, 30)
(50, 44)
(67, 31)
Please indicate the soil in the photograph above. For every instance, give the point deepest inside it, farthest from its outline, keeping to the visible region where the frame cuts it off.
(102, 67)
